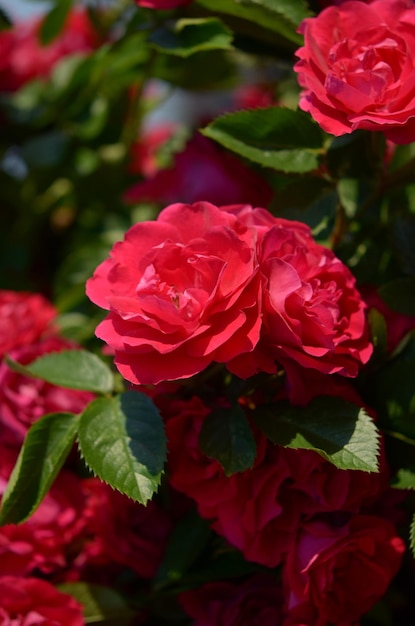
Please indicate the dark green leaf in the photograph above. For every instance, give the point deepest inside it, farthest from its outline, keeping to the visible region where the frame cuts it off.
(101, 605)
(47, 444)
(339, 431)
(227, 436)
(186, 542)
(54, 21)
(412, 536)
(280, 16)
(279, 138)
(122, 440)
(399, 295)
(187, 36)
(404, 479)
(5, 21)
(74, 369)
(46, 150)
(204, 70)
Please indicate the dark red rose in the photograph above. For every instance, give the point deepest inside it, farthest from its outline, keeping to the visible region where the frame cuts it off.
(335, 574)
(24, 318)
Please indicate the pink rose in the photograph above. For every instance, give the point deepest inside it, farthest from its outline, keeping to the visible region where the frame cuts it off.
(357, 68)
(24, 317)
(182, 291)
(23, 400)
(23, 58)
(203, 171)
(29, 601)
(255, 601)
(143, 153)
(127, 532)
(259, 510)
(162, 5)
(336, 574)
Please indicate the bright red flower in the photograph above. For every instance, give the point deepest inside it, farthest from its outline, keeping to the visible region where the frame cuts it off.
(357, 68)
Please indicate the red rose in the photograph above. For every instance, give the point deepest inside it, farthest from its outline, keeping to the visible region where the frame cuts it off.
(48, 540)
(357, 70)
(203, 171)
(23, 58)
(256, 601)
(24, 318)
(127, 532)
(23, 400)
(259, 510)
(27, 601)
(313, 315)
(336, 574)
(164, 5)
(183, 292)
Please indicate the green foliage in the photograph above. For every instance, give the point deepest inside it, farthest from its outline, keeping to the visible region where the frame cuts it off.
(280, 16)
(5, 21)
(101, 605)
(281, 139)
(122, 440)
(399, 295)
(404, 479)
(339, 431)
(188, 36)
(54, 21)
(44, 451)
(227, 436)
(75, 369)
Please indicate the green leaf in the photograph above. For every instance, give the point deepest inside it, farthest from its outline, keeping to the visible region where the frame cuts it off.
(404, 479)
(412, 536)
(186, 542)
(227, 436)
(280, 16)
(399, 295)
(47, 444)
(5, 21)
(339, 431)
(213, 69)
(100, 604)
(187, 36)
(122, 440)
(54, 21)
(278, 138)
(74, 369)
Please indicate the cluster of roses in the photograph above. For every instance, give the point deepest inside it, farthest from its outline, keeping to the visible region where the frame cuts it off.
(82, 530)
(235, 285)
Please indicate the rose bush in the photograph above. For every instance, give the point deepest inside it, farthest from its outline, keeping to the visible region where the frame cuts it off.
(357, 68)
(336, 573)
(162, 5)
(29, 601)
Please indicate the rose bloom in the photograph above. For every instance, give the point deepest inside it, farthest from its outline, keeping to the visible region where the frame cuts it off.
(125, 531)
(259, 511)
(183, 292)
(233, 285)
(357, 68)
(23, 58)
(24, 318)
(203, 171)
(30, 601)
(162, 4)
(52, 536)
(23, 399)
(336, 574)
(255, 601)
